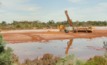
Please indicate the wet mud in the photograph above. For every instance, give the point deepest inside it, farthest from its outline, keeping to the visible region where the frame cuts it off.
(22, 37)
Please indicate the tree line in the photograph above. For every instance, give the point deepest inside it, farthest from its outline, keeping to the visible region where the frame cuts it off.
(50, 24)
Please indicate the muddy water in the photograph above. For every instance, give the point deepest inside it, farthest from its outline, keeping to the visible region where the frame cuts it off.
(83, 48)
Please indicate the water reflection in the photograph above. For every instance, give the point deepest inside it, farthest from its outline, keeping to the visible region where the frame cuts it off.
(105, 47)
(69, 43)
(83, 48)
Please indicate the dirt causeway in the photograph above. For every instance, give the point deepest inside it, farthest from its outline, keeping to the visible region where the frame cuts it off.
(32, 36)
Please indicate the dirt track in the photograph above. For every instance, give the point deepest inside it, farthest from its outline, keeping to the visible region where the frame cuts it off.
(49, 35)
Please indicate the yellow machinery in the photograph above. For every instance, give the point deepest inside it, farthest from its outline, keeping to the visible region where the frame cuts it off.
(72, 28)
(61, 28)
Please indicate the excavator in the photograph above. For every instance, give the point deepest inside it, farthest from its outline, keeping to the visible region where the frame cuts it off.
(71, 28)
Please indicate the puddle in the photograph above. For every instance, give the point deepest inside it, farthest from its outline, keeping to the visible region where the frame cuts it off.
(83, 48)
(100, 28)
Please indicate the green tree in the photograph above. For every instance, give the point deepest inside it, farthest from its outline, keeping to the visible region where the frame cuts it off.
(3, 23)
(14, 22)
(5, 54)
(77, 23)
(18, 26)
(50, 22)
(35, 22)
(39, 25)
(27, 25)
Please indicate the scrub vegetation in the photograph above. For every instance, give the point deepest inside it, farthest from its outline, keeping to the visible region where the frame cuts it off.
(51, 24)
(5, 54)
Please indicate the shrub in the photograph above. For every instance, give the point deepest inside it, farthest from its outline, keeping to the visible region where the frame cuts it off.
(27, 26)
(18, 26)
(5, 55)
(97, 60)
(70, 59)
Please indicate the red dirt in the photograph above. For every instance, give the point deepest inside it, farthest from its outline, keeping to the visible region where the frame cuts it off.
(95, 48)
(49, 35)
(39, 47)
(55, 46)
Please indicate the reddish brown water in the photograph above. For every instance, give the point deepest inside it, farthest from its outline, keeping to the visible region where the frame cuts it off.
(83, 48)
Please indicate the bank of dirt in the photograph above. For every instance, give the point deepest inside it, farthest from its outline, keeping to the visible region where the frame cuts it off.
(41, 36)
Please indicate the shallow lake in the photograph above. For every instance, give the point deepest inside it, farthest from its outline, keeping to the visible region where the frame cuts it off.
(83, 48)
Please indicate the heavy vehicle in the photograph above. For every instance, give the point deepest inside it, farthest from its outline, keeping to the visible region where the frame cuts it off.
(71, 28)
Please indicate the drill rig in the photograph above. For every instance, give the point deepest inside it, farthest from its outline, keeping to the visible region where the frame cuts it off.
(71, 28)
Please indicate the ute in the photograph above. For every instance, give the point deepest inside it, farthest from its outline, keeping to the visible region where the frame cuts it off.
(71, 28)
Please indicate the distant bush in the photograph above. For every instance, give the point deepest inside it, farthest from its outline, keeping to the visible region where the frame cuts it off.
(49, 24)
(27, 26)
(18, 26)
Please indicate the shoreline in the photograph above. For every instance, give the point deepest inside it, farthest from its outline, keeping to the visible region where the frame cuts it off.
(42, 30)
(34, 36)
(31, 30)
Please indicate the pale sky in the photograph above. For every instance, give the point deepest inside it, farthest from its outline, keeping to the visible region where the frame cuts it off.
(45, 10)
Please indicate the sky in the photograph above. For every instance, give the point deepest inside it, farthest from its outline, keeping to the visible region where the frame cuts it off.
(45, 10)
